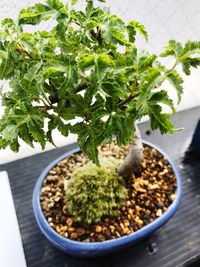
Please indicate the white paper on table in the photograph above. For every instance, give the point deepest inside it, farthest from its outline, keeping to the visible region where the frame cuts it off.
(11, 249)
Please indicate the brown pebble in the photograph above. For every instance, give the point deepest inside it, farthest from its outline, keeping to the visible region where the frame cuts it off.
(117, 234)
(107, 232)
(69, 221)
(112, 228)
(101, 237)
(125, 230)
(160, 205)
(159, 212)
(80, 231)
(153, 186)
(98, 229)
(51, 178)
(74, 236)
(173, 197)
(71, 229)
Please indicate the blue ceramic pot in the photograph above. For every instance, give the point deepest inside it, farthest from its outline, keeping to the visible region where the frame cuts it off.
(83, 249)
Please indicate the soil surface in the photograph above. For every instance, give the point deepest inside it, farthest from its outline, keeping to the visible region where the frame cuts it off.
(149, 195)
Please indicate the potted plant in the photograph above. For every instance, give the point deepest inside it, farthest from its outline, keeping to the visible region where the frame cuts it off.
(88, 68)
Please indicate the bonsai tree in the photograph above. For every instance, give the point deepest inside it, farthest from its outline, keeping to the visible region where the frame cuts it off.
(88, 68)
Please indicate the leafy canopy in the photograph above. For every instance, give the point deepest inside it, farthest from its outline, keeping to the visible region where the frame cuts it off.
(76, 70)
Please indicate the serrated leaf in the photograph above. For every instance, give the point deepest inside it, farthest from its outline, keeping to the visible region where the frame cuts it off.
(86, 60)
(7, 22)
(25, 135)
(55, 4)
(14, 146)
(161, 97)
(87, 140)
(35, 14)
(160, 120)
(114, 31)
(56, 68)
(175, 79)
(10, 133)
(135, 25)
(104, 60)
(20, 90)
(3, 143)
(191, 47)
(63, 128)
(151, 79)
(35, 129)
(146, 62)
(32, 72)
(173, 48)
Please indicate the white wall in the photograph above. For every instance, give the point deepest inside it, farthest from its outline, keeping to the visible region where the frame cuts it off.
(164, 19)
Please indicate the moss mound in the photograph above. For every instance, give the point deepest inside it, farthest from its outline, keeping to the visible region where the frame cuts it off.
(96, 191)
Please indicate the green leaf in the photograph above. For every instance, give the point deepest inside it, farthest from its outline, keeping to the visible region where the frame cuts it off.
(186, 55)
(175, 79)
(191, 47)
(10, 133)
(173, 48)
(19, 89)
(104, 60)
(25, 135)
(14, 146)
(161, 97)
(159, 120)
(32, 72)
(35, 14)
(55, 4)
(67, 86)
(34, 128)
(146, 62)
(87, 140)
(122, 128)
(136, 26)
(53, 69)
(189, 62)
(73, 2)
(85, 61)
(151, 79)
(114, 31)
(63, 128)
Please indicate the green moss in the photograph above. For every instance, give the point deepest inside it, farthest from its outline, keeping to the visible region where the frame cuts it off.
(96, 191)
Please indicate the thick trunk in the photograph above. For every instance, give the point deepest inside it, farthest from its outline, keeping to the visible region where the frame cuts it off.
(132, 162)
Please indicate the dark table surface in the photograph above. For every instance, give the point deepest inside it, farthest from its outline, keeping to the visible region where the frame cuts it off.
(176, 244)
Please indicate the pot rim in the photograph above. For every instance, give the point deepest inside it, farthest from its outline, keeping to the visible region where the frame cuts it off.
(61, 241)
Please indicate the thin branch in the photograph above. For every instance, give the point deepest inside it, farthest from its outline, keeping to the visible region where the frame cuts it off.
(21, 49)
(131, 96)
(174, 66)
(45, 104)
(44, 108)
(128, 99)
(97, 35)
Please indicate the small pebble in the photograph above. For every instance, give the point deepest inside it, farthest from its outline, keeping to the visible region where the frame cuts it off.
(80, 231)
(98, 229)
(74, 236)
(159, 212)
(69, 221)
